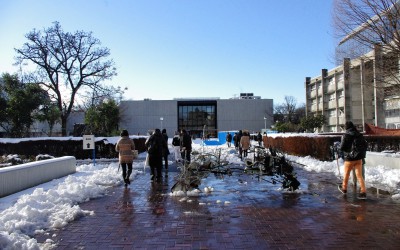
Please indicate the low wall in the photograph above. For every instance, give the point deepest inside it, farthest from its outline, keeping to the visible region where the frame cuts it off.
(388, 160)
(20, 177)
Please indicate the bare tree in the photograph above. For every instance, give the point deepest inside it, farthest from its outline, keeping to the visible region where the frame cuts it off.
(286, 112)
(361, 26)
(67, 63)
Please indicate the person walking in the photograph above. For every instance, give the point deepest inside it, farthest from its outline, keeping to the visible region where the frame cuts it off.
(245, 143)
(125, 147)
(236, 141)
(229, 139)
(239, 145)
(155, 145)
(186, 145)
(265, 140)
(353, 156)
(176, 143)
(259, 139)
(165, 151)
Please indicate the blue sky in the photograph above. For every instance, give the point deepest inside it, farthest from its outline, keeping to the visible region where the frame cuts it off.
(166, 49)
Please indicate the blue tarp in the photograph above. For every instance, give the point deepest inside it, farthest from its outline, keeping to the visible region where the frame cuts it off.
(222, 136)
(211, 143)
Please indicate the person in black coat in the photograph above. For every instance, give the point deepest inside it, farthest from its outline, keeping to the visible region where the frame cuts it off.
(155, 146)
(259, 139)
(228, 139)
(165, 151)
(186, 145)
(235, 141)
(239, 146)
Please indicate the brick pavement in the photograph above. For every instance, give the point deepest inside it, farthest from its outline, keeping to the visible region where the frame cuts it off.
(242, 212)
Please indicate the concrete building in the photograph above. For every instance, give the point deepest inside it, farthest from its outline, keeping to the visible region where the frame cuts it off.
(197, 115)
(356, 91)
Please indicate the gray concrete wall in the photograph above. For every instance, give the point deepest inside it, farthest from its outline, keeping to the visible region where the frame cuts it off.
(236, 114)
(141, 116)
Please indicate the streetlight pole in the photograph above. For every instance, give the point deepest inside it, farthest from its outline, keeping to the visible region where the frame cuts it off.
(161, 119)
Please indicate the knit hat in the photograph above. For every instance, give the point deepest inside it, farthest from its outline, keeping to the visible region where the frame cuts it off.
(124, 133)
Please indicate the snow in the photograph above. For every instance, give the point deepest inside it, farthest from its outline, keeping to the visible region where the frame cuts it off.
(54, 204)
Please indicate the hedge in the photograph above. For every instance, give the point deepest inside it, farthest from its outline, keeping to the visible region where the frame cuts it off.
(320, 147)
(58, 148)
(316, 146)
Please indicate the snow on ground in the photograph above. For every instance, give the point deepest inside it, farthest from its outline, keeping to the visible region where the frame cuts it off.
(54, 204)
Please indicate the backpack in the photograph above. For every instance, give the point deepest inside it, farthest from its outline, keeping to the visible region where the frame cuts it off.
(176, 141)
(359, 147)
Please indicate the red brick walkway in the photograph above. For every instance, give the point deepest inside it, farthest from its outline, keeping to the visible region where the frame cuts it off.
(243, 212)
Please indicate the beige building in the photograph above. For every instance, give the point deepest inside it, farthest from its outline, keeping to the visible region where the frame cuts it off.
(354, 91)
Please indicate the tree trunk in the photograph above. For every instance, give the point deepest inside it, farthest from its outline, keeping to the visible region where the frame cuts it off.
(64, 125)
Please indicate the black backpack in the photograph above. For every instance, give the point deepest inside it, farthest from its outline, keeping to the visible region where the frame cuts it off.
(176, 141)
(359, 147)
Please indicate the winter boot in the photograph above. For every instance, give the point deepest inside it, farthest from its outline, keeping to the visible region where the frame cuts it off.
(362, 196)
(128, 175)
(344, 192)
(124, 177)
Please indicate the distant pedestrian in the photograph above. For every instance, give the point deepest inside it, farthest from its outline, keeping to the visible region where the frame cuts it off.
(176, 143)
(239, 138)
(245, 143)
(265, 140)
(165, 151)
(228, 139)
(259, 139)
(186, 145)
(154, 146)
(125, 147)
(354, 153)
(236, 141)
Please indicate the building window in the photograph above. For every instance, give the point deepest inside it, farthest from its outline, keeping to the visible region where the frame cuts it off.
(198, 116)
(332, 113)
(392, 113)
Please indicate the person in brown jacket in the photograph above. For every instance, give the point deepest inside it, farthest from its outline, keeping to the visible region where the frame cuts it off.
(245, 143)
(125, 147)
